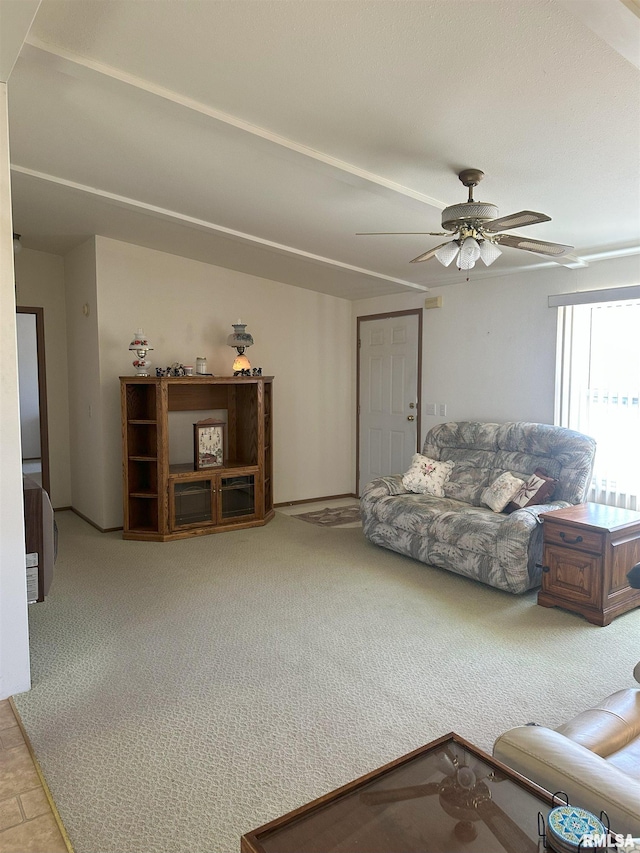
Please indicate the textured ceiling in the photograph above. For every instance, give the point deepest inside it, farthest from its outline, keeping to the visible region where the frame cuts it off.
(263, 135)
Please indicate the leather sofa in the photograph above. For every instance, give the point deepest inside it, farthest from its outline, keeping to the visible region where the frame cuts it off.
(594, 758)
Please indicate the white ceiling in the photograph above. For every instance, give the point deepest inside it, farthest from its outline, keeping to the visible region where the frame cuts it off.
(261, 135)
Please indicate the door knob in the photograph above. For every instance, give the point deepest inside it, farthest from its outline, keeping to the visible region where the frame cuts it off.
(410, 418)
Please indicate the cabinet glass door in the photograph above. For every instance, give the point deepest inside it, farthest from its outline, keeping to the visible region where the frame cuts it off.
(237, 497)
(192, 503)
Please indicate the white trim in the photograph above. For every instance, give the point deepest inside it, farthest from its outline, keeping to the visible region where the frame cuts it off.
(586, 297)
(218, 115)
(174, 215)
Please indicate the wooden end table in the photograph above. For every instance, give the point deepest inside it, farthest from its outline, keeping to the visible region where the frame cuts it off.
(588, 550)
(447, 795)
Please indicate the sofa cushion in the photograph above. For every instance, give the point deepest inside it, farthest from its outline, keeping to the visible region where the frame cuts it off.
(427, 476)
(502, 491)
(483, 451)
(538, 489)
(411, 512)
(468, 528)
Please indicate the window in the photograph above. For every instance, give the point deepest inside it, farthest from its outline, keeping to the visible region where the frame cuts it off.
(598, 392)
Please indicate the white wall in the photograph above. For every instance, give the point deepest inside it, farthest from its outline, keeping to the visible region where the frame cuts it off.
(14, 634)
(489, 352)
(85, 397)
(186, 308)
(40, 284)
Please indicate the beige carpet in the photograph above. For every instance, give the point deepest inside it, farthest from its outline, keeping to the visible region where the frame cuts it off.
(187, 692)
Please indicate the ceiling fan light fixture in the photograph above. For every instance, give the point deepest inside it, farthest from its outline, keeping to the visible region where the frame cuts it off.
(469, 254)
(489, 252)
(447, 253)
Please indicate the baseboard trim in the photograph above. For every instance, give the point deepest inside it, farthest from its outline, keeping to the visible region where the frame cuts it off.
(93, 524)
(316, 500)
(62, 509)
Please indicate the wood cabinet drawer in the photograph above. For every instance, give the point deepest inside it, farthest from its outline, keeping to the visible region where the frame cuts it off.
(571, 575)
(579, 538)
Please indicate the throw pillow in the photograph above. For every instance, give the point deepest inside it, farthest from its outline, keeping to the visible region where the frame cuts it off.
(501, 491)
(537, 490)
(427, 476)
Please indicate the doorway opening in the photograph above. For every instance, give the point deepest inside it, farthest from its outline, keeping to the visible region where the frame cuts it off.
(32, 378)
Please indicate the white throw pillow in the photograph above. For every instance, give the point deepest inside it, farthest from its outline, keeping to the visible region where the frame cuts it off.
(501, 491)
(427, 476)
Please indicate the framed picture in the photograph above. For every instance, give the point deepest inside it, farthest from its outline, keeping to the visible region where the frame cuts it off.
(209, 444)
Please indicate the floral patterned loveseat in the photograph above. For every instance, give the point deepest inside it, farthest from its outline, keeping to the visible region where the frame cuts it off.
(457, 532)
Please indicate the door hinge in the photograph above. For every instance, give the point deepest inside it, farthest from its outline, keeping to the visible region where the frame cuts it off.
(359, 343)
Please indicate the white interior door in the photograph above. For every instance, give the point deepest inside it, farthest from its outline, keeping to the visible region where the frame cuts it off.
(388, 397)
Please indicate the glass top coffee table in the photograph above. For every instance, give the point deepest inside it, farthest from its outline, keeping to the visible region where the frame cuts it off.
(445, 797)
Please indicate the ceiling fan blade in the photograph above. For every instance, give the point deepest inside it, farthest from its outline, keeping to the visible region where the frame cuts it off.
(515, 220)
(429, 254)
(505, 829)
(374, 798)
(378, 233)
(540, 247)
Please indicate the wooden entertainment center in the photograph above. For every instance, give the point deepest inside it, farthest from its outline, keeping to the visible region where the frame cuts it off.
(165, 500)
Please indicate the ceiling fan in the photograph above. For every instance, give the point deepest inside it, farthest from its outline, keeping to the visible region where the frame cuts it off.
(474, 226)
(467, 798)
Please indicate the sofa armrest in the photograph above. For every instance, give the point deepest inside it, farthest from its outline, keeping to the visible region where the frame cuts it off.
(537, 509)
(383, 487)
(528, 518)
(559, 764)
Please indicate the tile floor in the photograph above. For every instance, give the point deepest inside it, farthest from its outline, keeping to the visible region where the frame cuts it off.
(27, 822)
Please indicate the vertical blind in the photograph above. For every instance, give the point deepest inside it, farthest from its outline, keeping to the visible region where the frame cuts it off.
(598, 392)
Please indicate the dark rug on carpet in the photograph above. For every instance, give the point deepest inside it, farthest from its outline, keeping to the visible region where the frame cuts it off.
(332, 516)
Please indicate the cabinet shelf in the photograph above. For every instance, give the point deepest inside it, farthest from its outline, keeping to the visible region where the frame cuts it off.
(187, 471)
(164, 501)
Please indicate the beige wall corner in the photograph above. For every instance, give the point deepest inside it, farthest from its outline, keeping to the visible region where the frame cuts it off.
(85, 398)
(186, 308)
(14, 634)
(40, 284)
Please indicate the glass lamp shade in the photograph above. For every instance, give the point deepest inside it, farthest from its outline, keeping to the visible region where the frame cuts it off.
(469, 254)
(489, 252)
(140, 345)
(447, 253)
(240, 338)
(241, 363)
